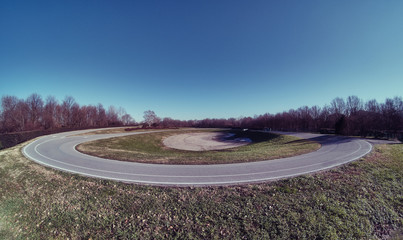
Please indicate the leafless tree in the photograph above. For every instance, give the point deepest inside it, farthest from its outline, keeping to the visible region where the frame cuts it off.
(102, 120)
(77, 116)
(304, 118)
(67, 106)
(372, 106)
(50, 113)
(35, 104)
(338, 106)
(9, 120)
(90, 113)
(168, 122)
(21, 116)
(392, 111)
(113, 116)
(314, 112)
(127, 120)
(353, 105)
(351, 117)
(151, 119)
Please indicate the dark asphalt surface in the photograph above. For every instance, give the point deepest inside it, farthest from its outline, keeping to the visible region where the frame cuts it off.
(58, 151)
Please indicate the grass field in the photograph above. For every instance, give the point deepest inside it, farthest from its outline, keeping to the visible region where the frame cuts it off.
(361, 200)
(117, 130)
(149, 148)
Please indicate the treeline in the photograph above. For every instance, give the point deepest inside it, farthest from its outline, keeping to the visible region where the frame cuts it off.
(34, 113)
(351, 116)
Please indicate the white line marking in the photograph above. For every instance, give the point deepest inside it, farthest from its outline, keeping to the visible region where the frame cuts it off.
(181, 176)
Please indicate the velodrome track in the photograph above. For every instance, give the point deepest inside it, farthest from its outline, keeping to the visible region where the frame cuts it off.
(58, 151)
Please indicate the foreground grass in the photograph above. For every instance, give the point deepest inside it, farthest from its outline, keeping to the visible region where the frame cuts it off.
(150, 148)
(361, 200)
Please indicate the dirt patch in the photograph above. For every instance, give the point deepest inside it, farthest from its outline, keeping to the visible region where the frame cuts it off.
(204, 141)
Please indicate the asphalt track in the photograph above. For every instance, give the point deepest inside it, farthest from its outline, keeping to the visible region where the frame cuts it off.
(58, 151)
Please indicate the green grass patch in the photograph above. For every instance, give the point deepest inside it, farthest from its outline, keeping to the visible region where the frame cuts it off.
(150, 148)
(360, 200)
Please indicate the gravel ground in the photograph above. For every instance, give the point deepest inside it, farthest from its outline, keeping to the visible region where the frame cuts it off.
(202, 141)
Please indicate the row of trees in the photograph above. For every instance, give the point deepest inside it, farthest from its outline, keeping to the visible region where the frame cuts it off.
(351, 116)
(34, 113)
(347, 117)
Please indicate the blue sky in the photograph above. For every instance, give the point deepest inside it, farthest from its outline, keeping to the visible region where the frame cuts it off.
(202, 59)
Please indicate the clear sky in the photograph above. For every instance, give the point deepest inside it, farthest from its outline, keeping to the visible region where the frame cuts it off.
(202, 59)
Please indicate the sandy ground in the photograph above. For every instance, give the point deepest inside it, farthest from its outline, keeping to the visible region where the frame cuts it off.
(203, 141)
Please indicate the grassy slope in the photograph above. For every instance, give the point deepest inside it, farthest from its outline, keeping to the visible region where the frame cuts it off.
(149, 148)
(361, 200)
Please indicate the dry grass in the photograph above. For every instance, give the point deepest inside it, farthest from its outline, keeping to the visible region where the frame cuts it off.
(119, 130)
(149, 148)
(104, 131)
(361, 200)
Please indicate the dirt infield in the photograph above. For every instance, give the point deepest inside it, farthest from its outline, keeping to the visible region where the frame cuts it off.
(204, 141)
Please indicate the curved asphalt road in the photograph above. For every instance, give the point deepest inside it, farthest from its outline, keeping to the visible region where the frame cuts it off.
(58, 151)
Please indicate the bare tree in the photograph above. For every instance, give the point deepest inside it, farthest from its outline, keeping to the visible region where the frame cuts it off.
(398, 102)
(91, 115)
(151, 119)
(121, 111)
(113, 116)
(304, 118)
(338, 106)
(345, 117)
(21, 116)
(392, 114)
(35, 104)
(77, 117)
(49, 113)
(102, 120)
(9, 120)
(353, 105)
(59, 115)
(67, 106)
(372, 106)
(314, 112)
(127, 119)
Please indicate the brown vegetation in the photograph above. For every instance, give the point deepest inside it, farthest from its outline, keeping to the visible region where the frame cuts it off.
(352, 116)
(360, 200)
(17, 115)
(345, 117)
(22, 120)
